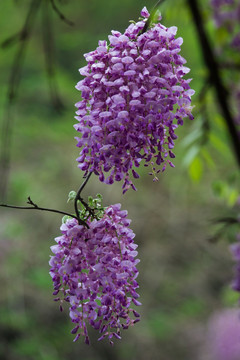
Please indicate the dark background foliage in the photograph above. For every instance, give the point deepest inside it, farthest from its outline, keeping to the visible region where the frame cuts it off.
(183, 277)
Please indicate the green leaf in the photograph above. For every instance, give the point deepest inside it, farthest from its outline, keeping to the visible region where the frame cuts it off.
(190, 155)
(90, 201)
(196, 169)
(99, 196)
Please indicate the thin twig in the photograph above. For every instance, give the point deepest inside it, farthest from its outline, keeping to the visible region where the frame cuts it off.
(24, 36)
(36, 207)
(78, 196)
(48, 45)
(60, 14)
(7, 125)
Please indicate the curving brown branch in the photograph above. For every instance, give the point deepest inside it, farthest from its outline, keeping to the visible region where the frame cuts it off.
(34, 206)
(214, 75)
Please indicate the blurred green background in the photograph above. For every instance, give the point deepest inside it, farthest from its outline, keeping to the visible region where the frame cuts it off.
(183, 278)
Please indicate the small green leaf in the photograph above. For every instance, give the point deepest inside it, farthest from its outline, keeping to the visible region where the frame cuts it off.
(85, 271)
(71, 195)
(65, 218)
(90, 201)
(99, 196)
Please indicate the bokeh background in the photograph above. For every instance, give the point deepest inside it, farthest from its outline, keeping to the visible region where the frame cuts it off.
(184, 278)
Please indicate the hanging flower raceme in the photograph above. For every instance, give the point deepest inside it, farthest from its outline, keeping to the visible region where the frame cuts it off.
(226, 14)
(235, 250)
(133, 98)
(94, 270)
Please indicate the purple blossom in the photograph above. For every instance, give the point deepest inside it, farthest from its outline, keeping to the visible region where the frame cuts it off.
(145, 13)
(226, 14)
(235, 250)
(134, 96)
(95, 272)
(222, 336)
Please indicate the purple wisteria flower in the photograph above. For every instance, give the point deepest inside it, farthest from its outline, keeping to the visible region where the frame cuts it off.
(235, 249)
(133, 98)
(227, 14)
(222, 336)
(94, 270)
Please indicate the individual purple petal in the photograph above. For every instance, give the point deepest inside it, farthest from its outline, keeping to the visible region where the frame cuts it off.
(144, 12)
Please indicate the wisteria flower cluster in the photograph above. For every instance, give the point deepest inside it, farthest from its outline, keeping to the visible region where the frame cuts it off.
(235, 250)
(222, 336)
(133, 98)
(227, 14)
(94, 270)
